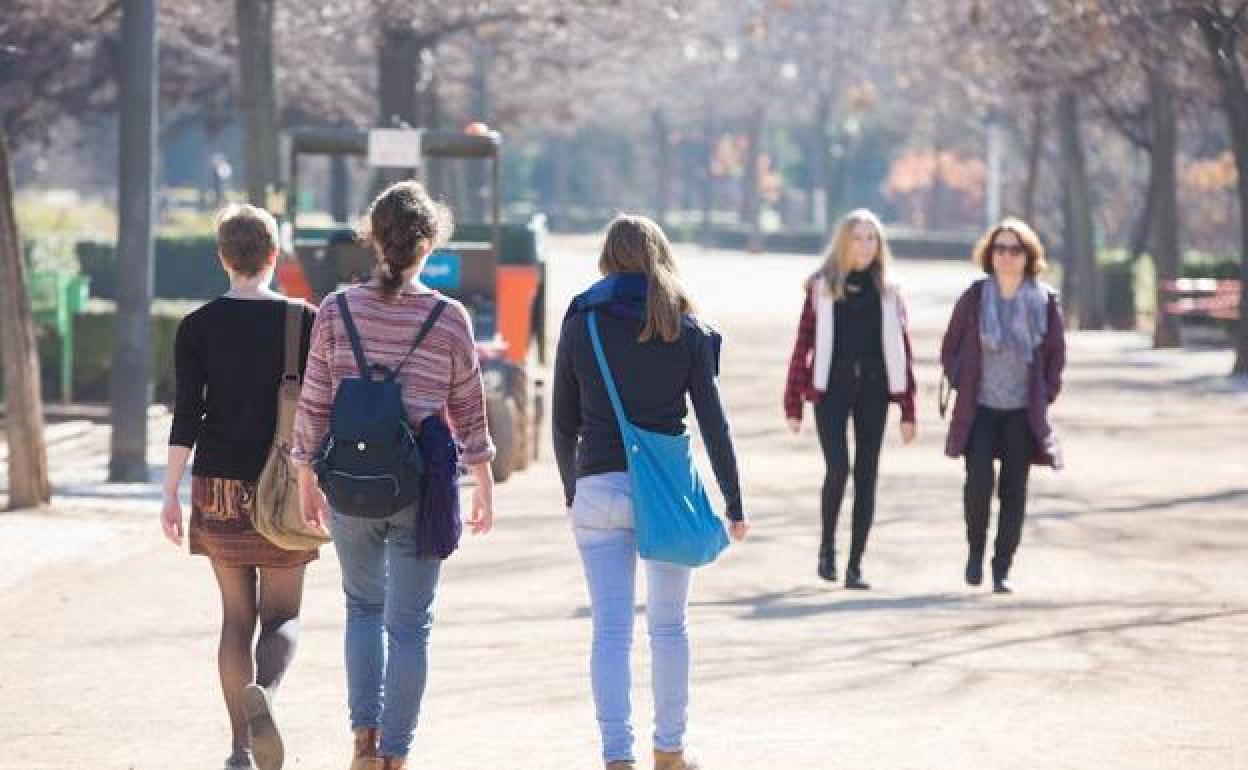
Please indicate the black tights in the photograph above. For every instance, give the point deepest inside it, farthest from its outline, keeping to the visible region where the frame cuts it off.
(860, 392)
(1007, 435)
(272, 596)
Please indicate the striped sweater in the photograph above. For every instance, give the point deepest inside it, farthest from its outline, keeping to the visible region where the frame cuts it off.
(442, 375)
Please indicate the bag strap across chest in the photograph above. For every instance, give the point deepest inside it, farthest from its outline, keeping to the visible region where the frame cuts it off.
(288, 389)
(605, 368)
(357, 347)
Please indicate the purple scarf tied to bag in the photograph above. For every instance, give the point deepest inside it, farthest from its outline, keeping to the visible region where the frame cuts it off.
(438, 522)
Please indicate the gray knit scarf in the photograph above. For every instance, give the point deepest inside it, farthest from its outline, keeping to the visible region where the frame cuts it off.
(1027, 326)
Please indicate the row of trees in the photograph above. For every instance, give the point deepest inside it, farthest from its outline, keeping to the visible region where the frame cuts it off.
(59, 61)
(709, 104)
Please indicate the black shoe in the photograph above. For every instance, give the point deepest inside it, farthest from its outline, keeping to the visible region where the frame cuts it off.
(1001, 586)
(854, 581)
(827, 566)
(974, 571)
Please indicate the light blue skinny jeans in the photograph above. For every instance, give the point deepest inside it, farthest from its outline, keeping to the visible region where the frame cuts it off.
(602, 520)
(389, 594)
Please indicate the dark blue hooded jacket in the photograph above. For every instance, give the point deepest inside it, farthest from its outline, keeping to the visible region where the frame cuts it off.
(652, 377)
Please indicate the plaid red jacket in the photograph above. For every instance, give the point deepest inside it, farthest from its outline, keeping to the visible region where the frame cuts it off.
(800, 385)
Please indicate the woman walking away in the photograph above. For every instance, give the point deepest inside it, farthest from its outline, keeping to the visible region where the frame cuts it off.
(409, 352)
(659, 353)
(1004, 352)
(229, 361)
(851, 358)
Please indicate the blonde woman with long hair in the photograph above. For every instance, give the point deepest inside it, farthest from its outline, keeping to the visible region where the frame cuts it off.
(851, 359)
(663, 355)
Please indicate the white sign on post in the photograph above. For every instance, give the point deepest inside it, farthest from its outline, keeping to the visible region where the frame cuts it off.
(394, 148)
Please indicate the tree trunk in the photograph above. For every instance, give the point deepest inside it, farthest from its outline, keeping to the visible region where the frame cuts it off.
(478, 181)
(1222, 40)
(398, 71)
(28, 456)
(1035, 152)
(339, 189)
(258, 98)
(401, 72)
(1162, 209)
(662, 166)
(707, 176)
(751, 198)
(820, 164)
(1089, 298)
(131, 379)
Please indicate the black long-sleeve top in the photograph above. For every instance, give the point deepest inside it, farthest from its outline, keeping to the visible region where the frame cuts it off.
(653, 379)
(859, 320)
(228, 358)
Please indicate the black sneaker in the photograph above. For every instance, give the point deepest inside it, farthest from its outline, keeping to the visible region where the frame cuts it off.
(1002, 586)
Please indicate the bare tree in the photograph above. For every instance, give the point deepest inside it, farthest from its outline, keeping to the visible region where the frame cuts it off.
(257, 90)
(1224, 26)
(48, 62)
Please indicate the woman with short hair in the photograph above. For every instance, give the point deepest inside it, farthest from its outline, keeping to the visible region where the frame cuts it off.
(1004, 352)
(229, 361)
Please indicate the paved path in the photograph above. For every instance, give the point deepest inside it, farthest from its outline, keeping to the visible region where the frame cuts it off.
(1124, 648)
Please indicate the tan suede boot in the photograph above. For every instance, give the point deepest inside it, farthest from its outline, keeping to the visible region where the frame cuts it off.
(674, 760)
(366, 750)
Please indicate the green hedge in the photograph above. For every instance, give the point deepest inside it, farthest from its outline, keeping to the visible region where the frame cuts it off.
(185, 267)
(93, 351)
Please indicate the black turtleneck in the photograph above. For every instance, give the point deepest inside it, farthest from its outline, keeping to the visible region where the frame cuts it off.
(858, 325)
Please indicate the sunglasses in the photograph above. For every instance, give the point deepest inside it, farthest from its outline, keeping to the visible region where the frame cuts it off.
(1012, 249)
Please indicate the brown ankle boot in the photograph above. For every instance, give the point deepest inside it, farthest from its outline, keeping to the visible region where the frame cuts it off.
(393, 763)
(366, 749)
(621, 764)
(674, 760)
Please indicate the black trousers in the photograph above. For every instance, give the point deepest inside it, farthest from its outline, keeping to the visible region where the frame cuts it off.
(1005, 434)
(857, 390)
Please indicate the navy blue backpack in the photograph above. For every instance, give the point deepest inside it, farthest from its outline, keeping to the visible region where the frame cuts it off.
(370, 465)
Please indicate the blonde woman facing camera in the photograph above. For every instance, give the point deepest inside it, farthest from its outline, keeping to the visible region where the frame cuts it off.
(851, 359)
(1004, 353)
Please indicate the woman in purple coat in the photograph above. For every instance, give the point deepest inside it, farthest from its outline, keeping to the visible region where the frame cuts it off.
(1003, 352)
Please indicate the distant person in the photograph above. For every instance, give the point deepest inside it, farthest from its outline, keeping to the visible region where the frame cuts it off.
(852, 358)
(228, 359)
(1003, 352)
(409, 334)
(661, 355)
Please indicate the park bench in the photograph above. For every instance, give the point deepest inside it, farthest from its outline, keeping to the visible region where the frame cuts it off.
(55, 298)
(1214, 298)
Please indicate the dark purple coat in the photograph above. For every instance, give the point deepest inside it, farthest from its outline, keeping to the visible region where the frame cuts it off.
(962, 359)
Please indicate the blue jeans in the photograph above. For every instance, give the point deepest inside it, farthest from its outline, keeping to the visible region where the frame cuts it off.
(388, 587)
(602, 522)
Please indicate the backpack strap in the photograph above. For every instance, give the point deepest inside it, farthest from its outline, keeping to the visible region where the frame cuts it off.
(354, 335)
(425, 328)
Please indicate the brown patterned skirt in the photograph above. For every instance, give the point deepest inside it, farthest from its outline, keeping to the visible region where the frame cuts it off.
(221, 527)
